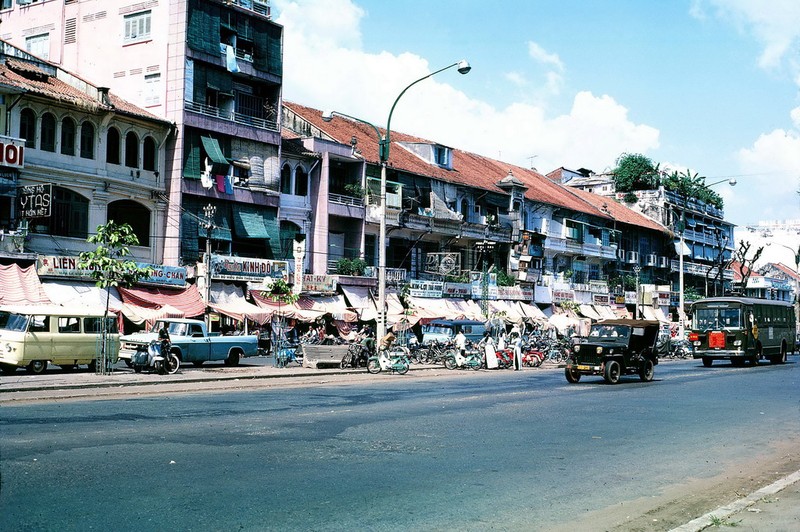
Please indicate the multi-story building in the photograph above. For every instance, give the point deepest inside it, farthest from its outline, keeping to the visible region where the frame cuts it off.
(452, 214)
(213, 68)
(74, 156)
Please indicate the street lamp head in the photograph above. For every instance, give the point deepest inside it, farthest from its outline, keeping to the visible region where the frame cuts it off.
(327, 116)
(732, 182)
(463, 66)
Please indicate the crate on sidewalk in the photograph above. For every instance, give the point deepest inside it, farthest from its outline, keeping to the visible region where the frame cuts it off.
(316, 356)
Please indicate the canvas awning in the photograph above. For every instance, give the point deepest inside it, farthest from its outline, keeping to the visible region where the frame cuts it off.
(335, 306)
(648, 313)
(139, 315)
(359, 299)
(71, 293)
(429, 309)
(214, 152)
(589, 312)
(531, 311)
(21, 286)
(186, 300)
(229, 299)
(605, 312)
(302, 310)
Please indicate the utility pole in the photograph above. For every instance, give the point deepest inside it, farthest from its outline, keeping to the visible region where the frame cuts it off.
(209, 211)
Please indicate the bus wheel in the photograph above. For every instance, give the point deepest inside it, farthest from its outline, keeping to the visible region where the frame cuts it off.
(780, 358)
(37, 366)
(707, 361)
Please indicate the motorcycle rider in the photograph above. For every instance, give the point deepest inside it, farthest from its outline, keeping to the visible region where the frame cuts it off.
(166, 344)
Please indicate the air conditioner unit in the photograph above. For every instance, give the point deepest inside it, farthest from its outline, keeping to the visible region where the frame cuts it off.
(632, 257)
(650, 260)
(621, 254)
(262, 8)
(663, 262)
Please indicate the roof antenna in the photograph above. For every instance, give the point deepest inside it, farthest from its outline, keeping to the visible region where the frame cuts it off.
(530, 161)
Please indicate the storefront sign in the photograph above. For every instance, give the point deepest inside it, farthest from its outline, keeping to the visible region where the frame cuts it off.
(419, 288)
(67, 266)
(600, 299)
(325, 284)
(457, 290)
(33, 201)
(515, 293)
(478, 285)
(663, 299)
(12, 152)
(563, 295)
(229, 268)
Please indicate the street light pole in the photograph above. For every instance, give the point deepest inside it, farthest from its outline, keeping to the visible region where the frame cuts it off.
(383, 155)
(209, 211)
(636, 270)
(682, 228)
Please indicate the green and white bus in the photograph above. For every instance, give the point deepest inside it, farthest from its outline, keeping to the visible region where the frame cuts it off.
(742, 329)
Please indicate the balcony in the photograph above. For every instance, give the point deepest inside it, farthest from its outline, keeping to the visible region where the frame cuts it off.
(260, 7)
(341, 199)
(231, 116)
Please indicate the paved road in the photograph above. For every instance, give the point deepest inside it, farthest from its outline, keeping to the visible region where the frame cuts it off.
(498, 450)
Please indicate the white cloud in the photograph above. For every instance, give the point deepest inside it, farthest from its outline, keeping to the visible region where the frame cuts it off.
(543, 56)
(326, 70)
(776, 24)
(770, 183)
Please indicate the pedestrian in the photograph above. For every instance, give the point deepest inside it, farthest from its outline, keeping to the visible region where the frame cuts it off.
(461, 347)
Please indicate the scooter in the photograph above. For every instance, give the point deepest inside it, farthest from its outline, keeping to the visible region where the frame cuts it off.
(533, 358)
(470, 360)
(388, 361)
(153, 358)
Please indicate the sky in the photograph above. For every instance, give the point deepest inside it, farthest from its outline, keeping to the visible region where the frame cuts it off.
(708, 86)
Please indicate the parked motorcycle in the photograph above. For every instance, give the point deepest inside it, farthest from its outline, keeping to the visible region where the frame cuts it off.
(388, 361)
(533, 358)
(157, 357)
(470, 360)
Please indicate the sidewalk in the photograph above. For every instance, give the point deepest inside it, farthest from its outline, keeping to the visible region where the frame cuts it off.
(774, 508)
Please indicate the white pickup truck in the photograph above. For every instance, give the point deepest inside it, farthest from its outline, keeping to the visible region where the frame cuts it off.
(192, 343)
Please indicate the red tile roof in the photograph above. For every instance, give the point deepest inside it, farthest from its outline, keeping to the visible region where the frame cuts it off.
(470, 169)
(33, 78)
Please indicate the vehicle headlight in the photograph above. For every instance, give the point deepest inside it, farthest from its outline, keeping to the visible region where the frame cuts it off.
(599, 350)
(737, 343)
(576, 348)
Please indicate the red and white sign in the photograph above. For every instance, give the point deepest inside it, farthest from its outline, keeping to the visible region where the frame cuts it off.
(12, 152)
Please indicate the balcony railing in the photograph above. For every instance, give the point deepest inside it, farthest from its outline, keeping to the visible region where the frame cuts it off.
(346, 200)
(257, 6)
(239, 118)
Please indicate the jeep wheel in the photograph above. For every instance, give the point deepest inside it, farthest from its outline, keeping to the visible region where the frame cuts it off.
(612, 372)
(646, 370)
(572, 375)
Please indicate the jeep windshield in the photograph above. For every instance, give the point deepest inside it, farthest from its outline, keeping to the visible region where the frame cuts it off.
(609, 333)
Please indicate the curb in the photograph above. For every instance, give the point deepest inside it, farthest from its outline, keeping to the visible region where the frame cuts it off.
(724, 512)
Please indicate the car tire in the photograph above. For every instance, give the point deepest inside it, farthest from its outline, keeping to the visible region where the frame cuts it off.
(37, 367)
(646, 370)
(573, 375)
(612, 372)
(707, 361)
(233, 359)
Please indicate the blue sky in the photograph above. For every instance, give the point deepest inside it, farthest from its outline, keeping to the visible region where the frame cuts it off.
(706, 85)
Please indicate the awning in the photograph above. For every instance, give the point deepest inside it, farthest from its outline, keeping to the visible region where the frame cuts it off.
(335, 306)
(248, 222)
(359, 299)
(506, 310)
(139, 315)
(186, 300)
(605, 312)
(589, 312)
(660, 316)
(531, 311)
(214, 152)
(648, 313)
(301, 310)
(21, 286)
(429, 309)
(229, 299)
(71, 293)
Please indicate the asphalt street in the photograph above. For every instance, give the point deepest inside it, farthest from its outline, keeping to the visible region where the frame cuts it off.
(777, 508)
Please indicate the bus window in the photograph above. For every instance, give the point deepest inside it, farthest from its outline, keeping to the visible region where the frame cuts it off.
(68, 324)
(40, 324)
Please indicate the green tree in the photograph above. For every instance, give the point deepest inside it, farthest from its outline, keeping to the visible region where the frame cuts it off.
(109, 268)
(635, 172)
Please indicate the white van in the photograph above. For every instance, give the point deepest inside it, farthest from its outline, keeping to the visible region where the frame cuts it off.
(33, 336)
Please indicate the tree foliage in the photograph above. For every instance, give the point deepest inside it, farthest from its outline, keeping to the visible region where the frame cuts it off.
(637, 172)
(107, 262)
(745, 262)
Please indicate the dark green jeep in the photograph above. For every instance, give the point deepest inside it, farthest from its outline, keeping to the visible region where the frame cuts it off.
(614, 348)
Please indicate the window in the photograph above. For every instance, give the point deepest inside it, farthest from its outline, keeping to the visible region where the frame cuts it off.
(87, 140)
(441, 156)
(300, 182)
(69, 325)
(27, 127)
(112, 146)
(5, 4)
(574, 231)
(137, 27)
(286, 179)
(38, 45)
(149, 154)
(68, 136)
(132, 150)
(134, 214)
(152, 89)
(48, 138)
(70, 215)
